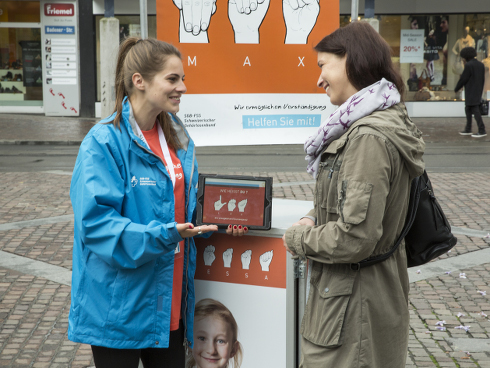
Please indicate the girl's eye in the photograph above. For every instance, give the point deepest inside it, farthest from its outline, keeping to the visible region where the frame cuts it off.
(221, 341)
(201, 338)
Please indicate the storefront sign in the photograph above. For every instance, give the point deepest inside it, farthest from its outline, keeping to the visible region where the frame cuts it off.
(250, 74)
(59, 10)
(412, 46)
(60, 56)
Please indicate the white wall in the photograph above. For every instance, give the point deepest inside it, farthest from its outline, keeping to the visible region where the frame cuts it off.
(420, 6)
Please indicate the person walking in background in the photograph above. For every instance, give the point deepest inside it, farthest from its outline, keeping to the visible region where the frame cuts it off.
(364, 157)
(133, 193)
(472, 79)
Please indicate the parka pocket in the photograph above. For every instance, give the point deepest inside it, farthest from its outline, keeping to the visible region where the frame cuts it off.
(330, 293)
(353, 201)
(327, 195)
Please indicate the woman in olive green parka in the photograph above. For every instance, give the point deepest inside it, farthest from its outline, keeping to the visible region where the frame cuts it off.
(363, 157)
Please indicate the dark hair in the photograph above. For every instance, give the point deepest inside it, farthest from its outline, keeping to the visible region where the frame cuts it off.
(468, 53)
(368, 55)
(147, 57)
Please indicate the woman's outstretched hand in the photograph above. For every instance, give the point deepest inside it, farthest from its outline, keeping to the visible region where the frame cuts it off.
(236, 230)
(188, 230)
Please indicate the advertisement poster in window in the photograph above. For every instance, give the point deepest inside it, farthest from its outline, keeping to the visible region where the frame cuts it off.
(435, 50)
(250, 67)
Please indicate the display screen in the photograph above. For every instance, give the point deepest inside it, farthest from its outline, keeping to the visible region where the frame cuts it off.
(232, 201)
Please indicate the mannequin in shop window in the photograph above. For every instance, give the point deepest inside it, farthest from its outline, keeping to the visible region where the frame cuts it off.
(430, 53)
(461, 43)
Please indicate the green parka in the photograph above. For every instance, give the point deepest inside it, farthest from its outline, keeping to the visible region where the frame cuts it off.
(360, 318)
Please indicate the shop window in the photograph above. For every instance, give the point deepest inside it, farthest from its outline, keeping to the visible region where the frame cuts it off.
(20, 11)
(439, 65)
(20, 53)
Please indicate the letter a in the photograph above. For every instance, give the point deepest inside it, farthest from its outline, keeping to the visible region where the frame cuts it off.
(247, 61)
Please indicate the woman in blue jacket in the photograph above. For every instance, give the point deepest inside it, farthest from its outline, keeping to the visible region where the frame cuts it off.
(133, 192)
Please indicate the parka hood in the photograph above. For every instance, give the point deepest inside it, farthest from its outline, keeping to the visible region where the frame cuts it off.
(396, 125)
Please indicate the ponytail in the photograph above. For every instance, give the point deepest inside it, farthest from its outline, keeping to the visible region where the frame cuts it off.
(147, 57)
(120, 84)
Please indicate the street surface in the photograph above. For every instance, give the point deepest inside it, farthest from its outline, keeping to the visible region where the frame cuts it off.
(449, 298)
(439, 157)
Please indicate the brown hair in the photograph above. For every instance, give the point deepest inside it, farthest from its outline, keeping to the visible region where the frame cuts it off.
(147, 57)
(368, 55)
(213, 308)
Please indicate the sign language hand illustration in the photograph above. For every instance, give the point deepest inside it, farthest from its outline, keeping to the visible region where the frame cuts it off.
(227, 256)
(241, 205)
(300, 17)
(231, 204)
(218, 204)
(246, 258)
(195, 16)
(246, 16)
(208, 255)
(265, 260)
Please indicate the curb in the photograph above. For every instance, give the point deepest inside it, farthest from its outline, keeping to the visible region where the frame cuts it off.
(39, 143)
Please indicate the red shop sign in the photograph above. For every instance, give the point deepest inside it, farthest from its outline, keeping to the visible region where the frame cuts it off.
(59, 10)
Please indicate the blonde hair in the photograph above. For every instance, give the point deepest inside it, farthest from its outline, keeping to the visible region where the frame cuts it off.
(147, 57)
(213, 308)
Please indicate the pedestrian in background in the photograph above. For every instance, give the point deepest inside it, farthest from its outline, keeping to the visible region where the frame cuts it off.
(364, 157)
(133, 192)
(472, 79)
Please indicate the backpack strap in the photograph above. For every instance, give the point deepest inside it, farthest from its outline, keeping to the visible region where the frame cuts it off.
(415, 190)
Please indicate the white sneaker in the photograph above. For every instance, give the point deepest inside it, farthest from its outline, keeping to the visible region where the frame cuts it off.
(479, 135)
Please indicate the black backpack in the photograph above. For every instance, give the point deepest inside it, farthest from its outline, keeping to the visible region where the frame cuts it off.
(427, 232)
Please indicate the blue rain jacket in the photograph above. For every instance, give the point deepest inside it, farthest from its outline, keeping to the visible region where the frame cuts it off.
(125, 237)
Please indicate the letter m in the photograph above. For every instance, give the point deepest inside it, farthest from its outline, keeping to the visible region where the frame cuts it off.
(191, 61)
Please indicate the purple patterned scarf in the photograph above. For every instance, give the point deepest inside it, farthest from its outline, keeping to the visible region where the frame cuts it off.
(378, 96)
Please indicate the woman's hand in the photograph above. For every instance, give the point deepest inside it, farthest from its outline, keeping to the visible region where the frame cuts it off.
(236, 230)
(188, 230)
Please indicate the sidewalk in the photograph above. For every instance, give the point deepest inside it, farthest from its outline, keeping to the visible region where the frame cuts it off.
(36, 235)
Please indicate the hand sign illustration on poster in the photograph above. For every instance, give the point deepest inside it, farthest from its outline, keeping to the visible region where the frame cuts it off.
(246, 16)
(195, 16)
(231, 204)
(208, 255)
(300, 17)
(241, 205)
(227, 256)
(218, 204)
(246, 258)
(266, 259)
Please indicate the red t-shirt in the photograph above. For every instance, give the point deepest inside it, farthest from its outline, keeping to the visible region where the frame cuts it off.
(153, 140)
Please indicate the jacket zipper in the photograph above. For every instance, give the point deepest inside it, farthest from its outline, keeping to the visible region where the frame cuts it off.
(186, 242)
(184, 315)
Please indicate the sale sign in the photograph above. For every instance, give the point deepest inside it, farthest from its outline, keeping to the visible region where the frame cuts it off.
(412, 46)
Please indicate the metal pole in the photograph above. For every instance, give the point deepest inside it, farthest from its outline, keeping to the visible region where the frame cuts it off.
(144, 19)
(354, 13)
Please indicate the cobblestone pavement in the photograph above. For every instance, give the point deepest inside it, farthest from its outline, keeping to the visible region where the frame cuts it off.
(34, 310)
(449, 325)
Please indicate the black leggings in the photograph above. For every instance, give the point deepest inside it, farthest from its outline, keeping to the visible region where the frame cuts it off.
(171, 357)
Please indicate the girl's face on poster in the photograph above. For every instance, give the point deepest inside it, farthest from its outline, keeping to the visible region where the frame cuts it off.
(213, 343)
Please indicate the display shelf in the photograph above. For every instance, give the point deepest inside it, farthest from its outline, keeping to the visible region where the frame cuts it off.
(11, 97)
(18, 85)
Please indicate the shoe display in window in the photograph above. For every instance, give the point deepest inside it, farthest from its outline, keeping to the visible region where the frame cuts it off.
(16, 90)
(7, 77)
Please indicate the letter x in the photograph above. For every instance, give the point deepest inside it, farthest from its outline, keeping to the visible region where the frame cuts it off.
(301, 61)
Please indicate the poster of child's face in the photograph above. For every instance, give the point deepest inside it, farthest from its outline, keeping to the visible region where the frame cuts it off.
(213, 342)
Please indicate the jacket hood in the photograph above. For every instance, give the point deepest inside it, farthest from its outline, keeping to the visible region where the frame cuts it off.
(396, 125)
